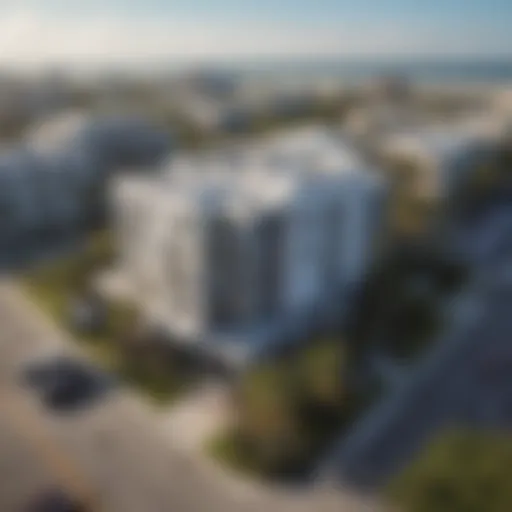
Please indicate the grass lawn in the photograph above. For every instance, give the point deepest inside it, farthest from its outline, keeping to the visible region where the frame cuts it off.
(51, 288)
(225, 448)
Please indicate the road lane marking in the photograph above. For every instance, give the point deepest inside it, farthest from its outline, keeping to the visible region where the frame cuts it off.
(61, 465)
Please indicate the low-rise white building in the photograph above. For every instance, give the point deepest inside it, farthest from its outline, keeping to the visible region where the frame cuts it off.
(243, 248)
(214, 114)
(111, 140)
(443, 156)
(47, 183)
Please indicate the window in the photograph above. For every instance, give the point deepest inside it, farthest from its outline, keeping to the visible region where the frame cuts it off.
(270, 237)
(332, 234)
(225, 273)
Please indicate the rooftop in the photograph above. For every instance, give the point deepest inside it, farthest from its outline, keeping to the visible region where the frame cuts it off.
(441, 142)
(259, 175)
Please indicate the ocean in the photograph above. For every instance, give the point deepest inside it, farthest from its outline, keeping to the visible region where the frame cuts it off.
(463, 71)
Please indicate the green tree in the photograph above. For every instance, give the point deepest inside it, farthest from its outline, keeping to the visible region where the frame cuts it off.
(462, 471)
(320, 373)
(267, 420)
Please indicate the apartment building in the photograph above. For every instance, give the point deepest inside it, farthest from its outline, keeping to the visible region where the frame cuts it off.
(241, 248)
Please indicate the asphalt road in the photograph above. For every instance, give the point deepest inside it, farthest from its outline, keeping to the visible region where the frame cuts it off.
(114, 453)
(23, 473)
(469, 385)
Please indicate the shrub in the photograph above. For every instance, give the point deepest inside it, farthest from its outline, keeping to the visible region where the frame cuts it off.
(461, 471)
(288, 412)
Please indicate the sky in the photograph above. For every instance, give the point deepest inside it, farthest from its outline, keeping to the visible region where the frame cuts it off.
(72, 31)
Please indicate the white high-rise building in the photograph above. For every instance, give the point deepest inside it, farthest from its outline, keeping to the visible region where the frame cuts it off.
(243, 248)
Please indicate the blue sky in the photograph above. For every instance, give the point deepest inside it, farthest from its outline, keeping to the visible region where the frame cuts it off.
(301, 11)
(134, 29)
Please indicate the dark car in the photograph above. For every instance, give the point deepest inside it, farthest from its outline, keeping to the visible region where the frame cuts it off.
(55, 501)
(496, 366)
(65, 383)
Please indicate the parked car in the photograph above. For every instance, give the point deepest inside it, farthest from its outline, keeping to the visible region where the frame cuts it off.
(55, 500)
(65, 383)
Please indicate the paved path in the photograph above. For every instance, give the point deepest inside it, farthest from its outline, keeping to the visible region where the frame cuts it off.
(466, 380)
(117, 453)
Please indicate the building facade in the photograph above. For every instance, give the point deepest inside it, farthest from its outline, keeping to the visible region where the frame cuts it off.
(243, 248)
